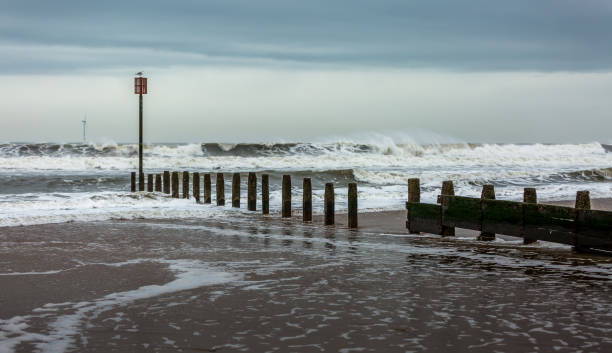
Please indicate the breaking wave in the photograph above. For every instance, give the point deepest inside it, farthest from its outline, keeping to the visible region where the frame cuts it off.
(384, 147)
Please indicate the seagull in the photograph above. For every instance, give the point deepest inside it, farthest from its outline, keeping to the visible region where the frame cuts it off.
(139, 73)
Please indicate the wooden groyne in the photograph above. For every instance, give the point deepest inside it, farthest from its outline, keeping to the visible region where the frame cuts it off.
(579, 226)
(171, 186)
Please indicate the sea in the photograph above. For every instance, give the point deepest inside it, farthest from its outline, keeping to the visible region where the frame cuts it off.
(44, 183)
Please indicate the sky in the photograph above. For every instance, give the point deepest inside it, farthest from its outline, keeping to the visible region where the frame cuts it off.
(247, 71)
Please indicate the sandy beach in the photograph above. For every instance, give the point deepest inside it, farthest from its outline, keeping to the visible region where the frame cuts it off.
(253, 283)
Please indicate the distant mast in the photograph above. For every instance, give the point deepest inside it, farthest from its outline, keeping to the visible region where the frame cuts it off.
(84, 121)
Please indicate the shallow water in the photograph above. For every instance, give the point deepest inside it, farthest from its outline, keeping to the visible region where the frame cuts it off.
(253, 283)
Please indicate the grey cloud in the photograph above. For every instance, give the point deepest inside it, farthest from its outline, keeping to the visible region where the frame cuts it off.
(457, 35)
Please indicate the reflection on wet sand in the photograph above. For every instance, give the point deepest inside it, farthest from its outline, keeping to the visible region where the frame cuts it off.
(267, 285)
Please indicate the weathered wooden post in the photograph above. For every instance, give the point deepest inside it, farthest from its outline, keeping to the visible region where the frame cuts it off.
(583, 200)
(488, 193)
(414, 190)
(166, 182)
(196, 186)
(236, 190)
(414, 194)
(150, 183)
(207, 189)
(265, 194)
(133, 181)
(448, 189)
(529, 196)
(220, 190)
(252, 192)
(185, 184)
(158, 182)
(286, 196)
(307, 200)
(352, 205)
(175, 185)
(329, 206)
(141, 182)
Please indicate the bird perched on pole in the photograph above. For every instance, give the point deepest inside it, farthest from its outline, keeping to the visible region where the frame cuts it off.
(139, 73)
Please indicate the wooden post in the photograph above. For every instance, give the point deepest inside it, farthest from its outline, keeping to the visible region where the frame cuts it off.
(252, 192)
(185, 184)
(220, 190)
(414, 190)
(414, 195)
(196, 186)
(488, 193)
(352, 205)
(286, 199)
(207, 189)
(166, 182)
(141, 182)
(529, 196)
(329, 204)
(265, 194)
(236, 190)
(133, 181)
(448, 189)
(175, 185)
(307, 200)
(158, 182)
(150, 183)
(583, 200)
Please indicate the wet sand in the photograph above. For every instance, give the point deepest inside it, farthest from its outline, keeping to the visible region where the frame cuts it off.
(253, 283)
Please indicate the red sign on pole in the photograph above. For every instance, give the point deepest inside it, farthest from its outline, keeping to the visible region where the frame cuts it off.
(140, 85)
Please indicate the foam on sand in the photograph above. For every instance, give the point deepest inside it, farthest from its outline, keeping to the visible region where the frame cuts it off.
(189, 274)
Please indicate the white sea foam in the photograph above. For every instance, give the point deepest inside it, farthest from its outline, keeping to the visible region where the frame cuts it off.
(189, 274)
(409, 156)
(69, 176)
(69, 207)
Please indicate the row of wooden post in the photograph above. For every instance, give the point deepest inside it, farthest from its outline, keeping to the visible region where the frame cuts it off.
(583, 201)
(171, 186)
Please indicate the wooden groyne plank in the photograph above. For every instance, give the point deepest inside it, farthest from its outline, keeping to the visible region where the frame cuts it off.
(549, 223)
(461, 212)
(424, 217)
(594, 230)
(502, 217)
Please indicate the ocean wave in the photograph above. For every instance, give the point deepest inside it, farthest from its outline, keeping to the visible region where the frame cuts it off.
(97, 150)
(500, 176)
(385, 147)
(290, 156)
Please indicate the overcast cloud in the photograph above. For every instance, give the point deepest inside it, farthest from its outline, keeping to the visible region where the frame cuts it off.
(355, 65)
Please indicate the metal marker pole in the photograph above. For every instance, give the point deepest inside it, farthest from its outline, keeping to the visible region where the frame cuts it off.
(140, 138)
